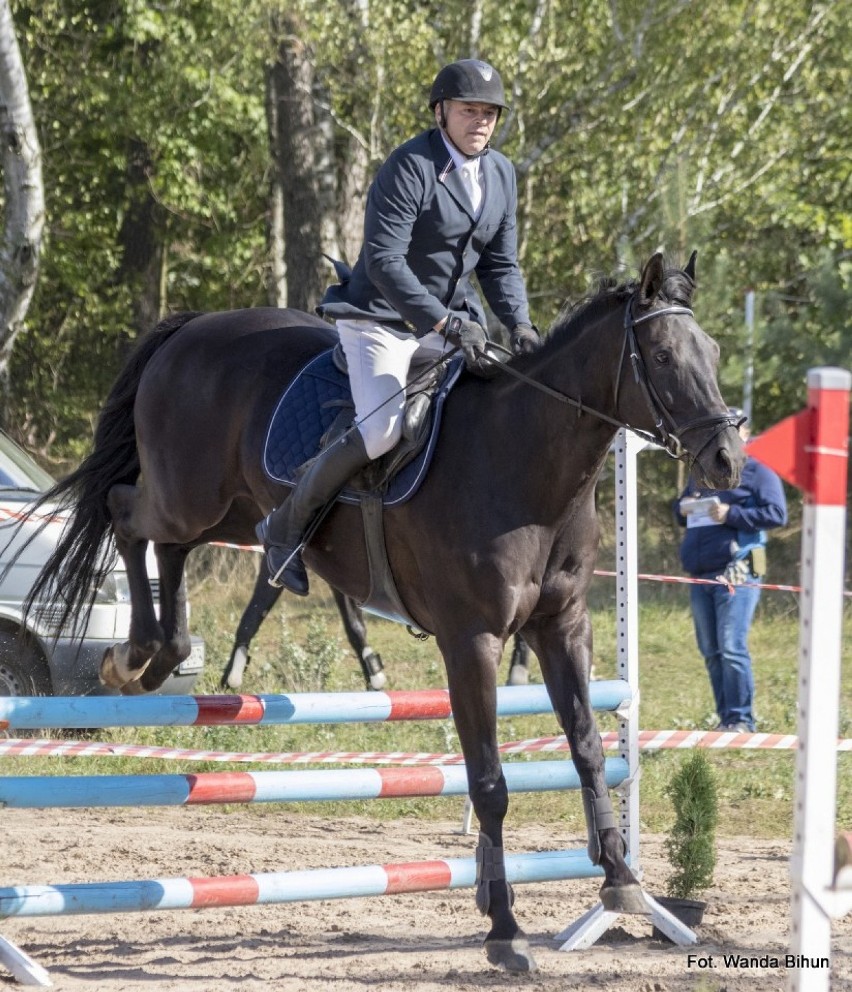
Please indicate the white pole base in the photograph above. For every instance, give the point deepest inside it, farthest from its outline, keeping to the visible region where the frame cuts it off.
(24, 970)
(581, 934)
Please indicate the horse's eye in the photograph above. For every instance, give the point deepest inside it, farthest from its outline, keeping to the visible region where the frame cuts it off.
(662, 358)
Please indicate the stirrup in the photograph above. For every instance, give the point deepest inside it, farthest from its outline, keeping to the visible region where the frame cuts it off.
(291, 568)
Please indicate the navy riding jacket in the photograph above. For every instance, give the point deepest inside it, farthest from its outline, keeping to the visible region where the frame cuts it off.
(756, 505)
(422, 243)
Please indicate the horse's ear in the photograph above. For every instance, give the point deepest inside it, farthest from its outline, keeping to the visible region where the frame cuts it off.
(690, 266)
(652, 280)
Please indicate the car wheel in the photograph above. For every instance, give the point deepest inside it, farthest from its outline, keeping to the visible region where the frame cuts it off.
(22, 671)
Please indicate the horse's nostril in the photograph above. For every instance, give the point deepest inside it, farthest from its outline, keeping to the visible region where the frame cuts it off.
(729, 467)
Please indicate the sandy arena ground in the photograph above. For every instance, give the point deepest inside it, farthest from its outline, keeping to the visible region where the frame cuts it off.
(418, 943)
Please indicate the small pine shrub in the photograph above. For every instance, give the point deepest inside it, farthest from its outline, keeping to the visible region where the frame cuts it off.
(691, 845)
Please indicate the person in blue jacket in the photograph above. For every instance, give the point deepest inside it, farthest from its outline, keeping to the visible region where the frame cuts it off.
(441, 210)
(725, 543)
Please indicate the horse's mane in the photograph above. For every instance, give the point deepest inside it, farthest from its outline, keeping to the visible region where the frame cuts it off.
(576, 313)
(574, 316)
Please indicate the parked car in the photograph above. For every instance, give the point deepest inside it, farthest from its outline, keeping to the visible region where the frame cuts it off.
(51, 661)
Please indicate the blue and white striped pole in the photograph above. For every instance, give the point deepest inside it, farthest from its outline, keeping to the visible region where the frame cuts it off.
(23, 712)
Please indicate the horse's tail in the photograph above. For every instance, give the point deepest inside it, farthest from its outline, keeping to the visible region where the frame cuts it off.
(85, 555)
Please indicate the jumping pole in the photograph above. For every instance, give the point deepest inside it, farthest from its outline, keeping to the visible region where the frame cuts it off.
(280, 887)
(27, 712)
(208, 788)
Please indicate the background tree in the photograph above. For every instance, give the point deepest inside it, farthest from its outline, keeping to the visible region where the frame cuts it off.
(154, 165)
(304, 180)
(634, 126)
(23, 197)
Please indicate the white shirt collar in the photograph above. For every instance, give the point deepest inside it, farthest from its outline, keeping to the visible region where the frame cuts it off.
(459, 160)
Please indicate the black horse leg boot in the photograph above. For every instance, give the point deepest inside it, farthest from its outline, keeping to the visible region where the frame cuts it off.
(283, 530)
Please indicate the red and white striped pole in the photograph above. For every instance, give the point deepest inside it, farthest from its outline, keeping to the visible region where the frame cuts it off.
(811, 450)
(820, 633)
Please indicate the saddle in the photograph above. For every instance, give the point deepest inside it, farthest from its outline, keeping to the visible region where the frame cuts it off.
(417, 423)
(316, 408)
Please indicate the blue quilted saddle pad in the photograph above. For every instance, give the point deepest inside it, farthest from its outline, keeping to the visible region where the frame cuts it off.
(307, 409)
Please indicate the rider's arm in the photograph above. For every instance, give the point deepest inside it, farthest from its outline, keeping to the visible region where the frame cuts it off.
(393, 207)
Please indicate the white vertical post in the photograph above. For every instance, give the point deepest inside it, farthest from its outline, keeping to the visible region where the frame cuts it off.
(627, 447)
(820, 632)
(748, 382)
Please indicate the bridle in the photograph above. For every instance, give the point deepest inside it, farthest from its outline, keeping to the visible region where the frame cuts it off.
(664, 422)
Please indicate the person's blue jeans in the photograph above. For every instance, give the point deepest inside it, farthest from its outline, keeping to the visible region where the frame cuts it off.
(722, 622)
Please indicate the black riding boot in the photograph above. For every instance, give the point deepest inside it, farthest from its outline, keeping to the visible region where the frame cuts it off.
(283, 530)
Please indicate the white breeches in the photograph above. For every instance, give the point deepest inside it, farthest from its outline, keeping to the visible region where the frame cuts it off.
(379, 359)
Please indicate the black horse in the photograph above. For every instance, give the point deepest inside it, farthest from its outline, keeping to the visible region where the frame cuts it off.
(501, 537)
(264, 596)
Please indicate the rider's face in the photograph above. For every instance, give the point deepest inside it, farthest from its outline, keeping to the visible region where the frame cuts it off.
(469, 125)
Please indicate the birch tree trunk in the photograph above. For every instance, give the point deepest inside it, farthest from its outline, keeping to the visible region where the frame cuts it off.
(276, 268)
(23, 196)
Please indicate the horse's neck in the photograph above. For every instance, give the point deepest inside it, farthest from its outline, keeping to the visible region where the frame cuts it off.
(557, 441)
(581, 366)
(552, 449)
(585, 366)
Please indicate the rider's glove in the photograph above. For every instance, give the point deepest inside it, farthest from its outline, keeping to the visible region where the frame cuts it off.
(524, 339)
(471, 338)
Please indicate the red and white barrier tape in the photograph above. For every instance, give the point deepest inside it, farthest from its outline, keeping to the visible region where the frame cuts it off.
(649, 740)
(683, 580)
(676, 579)
(16, 516)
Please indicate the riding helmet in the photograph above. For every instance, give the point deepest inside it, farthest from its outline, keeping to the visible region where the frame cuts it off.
(471, 80)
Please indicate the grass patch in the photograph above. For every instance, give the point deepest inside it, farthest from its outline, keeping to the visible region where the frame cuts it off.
(301, 648)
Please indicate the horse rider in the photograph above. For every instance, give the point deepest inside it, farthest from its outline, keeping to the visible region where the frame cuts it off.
(442, 208)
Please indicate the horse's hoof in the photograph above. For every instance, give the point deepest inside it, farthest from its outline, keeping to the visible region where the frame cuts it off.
(134, 688)
(109, 674)
(115, 671)
(625, 899)
(518, 675)
(513, 955)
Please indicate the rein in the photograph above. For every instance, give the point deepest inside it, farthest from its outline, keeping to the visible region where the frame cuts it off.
(663, 420)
